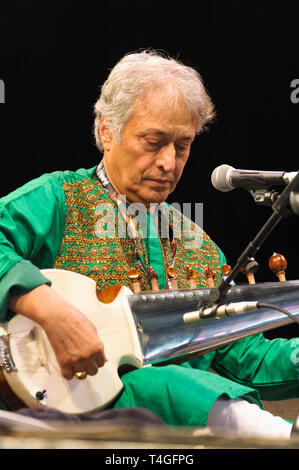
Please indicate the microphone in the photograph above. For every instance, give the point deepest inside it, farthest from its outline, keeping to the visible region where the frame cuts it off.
(225, 178)
(220, 310)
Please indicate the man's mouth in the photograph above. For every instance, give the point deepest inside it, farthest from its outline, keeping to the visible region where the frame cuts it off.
(159, 181)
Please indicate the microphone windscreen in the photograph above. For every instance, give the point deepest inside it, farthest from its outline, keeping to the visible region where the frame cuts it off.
(220, 178)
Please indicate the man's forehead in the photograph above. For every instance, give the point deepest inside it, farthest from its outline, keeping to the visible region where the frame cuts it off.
(160, 100)
(152, 113)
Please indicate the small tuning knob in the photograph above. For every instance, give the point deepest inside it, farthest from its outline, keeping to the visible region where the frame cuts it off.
(249, 269)
(154, 280)
(278, 264)
(134, 277)
(225, 269)
(210, 276)
(172, 278)
(40, 395)
(191, 277)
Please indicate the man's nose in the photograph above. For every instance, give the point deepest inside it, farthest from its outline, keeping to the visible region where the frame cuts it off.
(166, 158)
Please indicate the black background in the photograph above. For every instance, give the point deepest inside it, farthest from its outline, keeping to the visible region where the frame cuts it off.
(54, 56)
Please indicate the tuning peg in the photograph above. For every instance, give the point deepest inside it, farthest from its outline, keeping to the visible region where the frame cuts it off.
(191, 277)
(154, 280)
(172, 279)
(278, 264)
(250, 276)
(210, 276)
(249, 269)
(225, 269)
(134, 277)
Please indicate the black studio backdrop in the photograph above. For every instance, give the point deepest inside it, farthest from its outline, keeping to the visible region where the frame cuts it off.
(54, 56)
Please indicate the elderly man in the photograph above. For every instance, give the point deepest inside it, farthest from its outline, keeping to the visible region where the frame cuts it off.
(149, 112)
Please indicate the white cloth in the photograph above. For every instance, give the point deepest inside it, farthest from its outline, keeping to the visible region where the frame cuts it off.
(243, 419)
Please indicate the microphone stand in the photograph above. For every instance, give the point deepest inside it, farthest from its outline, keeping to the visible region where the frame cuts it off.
(281, 208)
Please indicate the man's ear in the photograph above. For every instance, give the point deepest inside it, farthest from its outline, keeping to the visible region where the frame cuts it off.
(105, 134)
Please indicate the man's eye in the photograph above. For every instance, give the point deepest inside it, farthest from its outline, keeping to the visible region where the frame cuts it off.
(153, 142)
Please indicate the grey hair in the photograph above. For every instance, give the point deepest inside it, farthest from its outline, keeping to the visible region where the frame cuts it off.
(137, 73)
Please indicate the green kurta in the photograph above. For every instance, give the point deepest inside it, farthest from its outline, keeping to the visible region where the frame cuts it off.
(40, 227)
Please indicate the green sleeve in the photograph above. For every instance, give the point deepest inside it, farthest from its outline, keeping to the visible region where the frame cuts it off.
(32, 222)
(271, 366)
(21, 278)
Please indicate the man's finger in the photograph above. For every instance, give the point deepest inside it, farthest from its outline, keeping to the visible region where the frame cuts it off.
(100, 359)
(67, 373)
(92, 367)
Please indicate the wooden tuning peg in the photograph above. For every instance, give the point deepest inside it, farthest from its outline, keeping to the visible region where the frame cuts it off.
(251, 267)
(191, 277)
(278, 264)
(172, 279)
(250, 276)
(134, 277)
(154, 280)
(210, 276)
(225, 270)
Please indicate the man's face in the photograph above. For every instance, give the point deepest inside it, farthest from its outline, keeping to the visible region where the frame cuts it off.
(147, 165)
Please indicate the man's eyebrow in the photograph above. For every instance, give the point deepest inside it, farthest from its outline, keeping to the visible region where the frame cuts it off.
(154, 130)
(162, 133)
(187, 137)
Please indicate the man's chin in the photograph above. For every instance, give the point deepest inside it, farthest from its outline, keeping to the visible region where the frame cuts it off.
(153, 197)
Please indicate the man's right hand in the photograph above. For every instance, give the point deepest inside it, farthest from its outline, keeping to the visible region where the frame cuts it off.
(72, 335)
